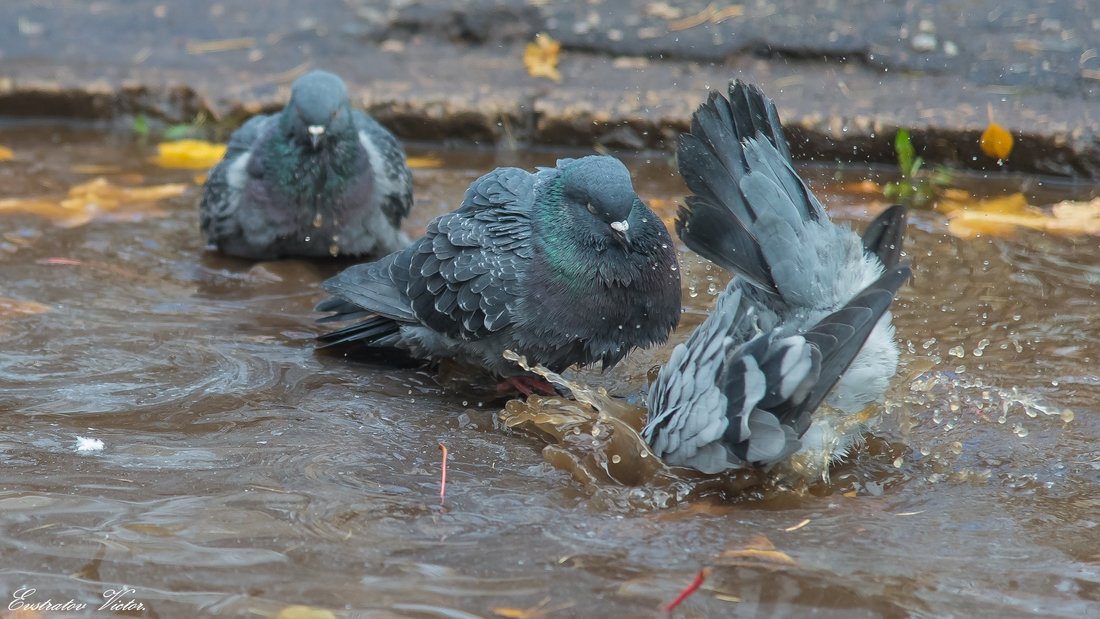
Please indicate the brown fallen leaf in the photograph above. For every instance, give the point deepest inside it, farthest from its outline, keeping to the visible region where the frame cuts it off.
(188, 154)
(541, 57)
(6, 154)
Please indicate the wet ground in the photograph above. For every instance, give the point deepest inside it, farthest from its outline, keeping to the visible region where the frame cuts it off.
(242, 473)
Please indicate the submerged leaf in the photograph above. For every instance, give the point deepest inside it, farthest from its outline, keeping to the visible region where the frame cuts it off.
(759, 550)
(541, 57)
(969, 218)
(88, 200)
(188, 154)
(996, 141)
(299, 611)
(418, 163)
(10, 308)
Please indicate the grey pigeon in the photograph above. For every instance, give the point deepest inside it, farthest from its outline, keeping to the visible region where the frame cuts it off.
(317, 179)
(804, 323)
(565, 266)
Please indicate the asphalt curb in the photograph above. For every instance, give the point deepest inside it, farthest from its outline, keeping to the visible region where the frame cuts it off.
(432, 72)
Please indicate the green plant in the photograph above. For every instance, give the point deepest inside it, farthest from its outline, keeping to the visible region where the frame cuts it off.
(145, 130)
(916, 187)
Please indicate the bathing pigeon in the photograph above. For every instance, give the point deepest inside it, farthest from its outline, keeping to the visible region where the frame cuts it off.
(565, 266)
(317, 179)
(790, 365)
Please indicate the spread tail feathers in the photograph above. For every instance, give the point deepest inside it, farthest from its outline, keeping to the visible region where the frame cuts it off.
(749, 205)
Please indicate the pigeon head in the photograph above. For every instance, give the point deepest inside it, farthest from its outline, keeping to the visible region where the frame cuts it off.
(597, 189)
(318, 109)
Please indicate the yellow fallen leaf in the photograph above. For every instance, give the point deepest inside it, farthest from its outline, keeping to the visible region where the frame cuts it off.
(90, 199)
(419, 163)
(200, 179)
(1002, 216)
(6, 153)
(511, 613)
(538, 611)
(996, 141)
(304, 612)
(958, 200)
(188, 154)
(541, 57)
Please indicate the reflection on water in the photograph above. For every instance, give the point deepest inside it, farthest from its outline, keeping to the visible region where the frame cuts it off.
(242, 473)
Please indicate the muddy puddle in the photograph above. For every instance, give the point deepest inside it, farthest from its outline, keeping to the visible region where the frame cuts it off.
(241, 473)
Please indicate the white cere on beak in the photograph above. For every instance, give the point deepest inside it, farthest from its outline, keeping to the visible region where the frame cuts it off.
(620, 226)
(316, 130)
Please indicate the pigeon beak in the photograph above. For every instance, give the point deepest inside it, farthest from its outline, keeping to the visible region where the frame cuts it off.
(620, 231)
(315, 134)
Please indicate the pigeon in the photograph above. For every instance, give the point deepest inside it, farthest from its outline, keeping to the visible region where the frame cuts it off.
(793, 362)
(318, 179)
(565, 266)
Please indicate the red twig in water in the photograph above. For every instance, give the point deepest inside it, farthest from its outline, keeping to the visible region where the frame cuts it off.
(692, 588)
(443, 477)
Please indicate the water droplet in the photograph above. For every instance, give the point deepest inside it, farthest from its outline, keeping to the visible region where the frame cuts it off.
(616, 459)
(318, 220)
(928, 344)
(957, 351)
(1019, 430)
(1067, 415)
(898, 462)
(693, 291)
